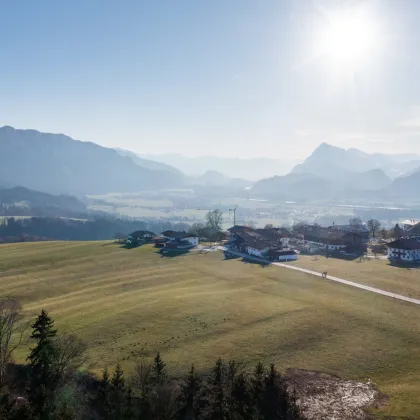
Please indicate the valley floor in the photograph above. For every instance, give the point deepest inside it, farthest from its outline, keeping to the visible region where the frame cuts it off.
(196, 307)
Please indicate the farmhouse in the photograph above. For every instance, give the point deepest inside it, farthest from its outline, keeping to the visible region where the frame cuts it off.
(361, 231)
(272, 243)
(408, 224)
(405, 249)
(141, 235)
(177, 245)
(283, 255)
(279, 236)
(332, 239)
(258, 247)
(172, 235)
(241, 239)
(414, 232)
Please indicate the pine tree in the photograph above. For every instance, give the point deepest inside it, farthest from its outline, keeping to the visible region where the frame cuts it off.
(159, 374)
(42, 377)
(117, 393)
(217, 398)
(275, 406)
(189, 398)
(258, 389)
(398, 232)
(242, 398)
(101, 400)
(128, 409)
(232, 370)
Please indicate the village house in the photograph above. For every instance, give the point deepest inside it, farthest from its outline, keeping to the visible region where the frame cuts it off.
(414, 232)
(177, 236)
(279, 236)
(283, 255)
(269, 243)
(258, 247)
(404, 250)
(139, 236)
(331, 239)
(362, 231)
(408, 224)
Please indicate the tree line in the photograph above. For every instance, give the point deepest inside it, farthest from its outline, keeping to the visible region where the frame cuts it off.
(52, 386)
(55, 228)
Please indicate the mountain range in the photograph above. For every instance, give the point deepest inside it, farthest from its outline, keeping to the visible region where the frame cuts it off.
(327, 159)
(58, 164)
(333, 172)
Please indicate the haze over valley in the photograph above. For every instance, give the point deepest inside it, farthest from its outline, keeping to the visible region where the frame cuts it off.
(210, 210)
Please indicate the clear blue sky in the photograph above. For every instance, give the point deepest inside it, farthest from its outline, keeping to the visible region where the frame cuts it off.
(211, 77)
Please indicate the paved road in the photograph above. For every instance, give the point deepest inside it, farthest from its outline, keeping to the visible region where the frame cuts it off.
(331, 278)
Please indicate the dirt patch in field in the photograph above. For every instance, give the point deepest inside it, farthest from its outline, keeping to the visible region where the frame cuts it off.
(320, 396)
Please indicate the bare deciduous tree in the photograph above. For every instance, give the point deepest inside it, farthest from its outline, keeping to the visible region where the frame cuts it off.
(70, 355)
(373, 226)
(142, 376)
(214, 224)
(356, 222)
(11, 332)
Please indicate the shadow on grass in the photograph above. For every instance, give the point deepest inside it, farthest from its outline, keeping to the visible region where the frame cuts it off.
(404, 265)
(245, 260)
(174, 253)
(229, 256)
(254, 262)
(131, 246)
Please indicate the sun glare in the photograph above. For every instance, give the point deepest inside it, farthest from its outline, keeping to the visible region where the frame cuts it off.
(348, 35)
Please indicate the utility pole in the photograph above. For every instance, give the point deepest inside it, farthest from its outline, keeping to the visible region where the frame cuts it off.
(234, 214)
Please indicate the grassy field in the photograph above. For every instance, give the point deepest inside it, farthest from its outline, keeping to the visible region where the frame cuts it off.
(194, 308)
(372, 272)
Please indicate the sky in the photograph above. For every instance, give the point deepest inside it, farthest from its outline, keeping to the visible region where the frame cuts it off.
(240, 78)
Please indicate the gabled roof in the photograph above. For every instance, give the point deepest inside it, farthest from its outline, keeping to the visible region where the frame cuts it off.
(177, 234)
(275, 233)
(404, 243)
(257, 243)
(238, 228)
(415, 230)
(280, 252)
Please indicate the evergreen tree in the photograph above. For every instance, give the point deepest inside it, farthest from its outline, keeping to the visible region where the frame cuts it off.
(217, 399)
(159, 374)
(242, 398)
(189, 397)
(128, 410)
(42, 377)
(258, 390)
(117, 393)
(275, 406)
(398, 232)
(231, 373)
(101, 401)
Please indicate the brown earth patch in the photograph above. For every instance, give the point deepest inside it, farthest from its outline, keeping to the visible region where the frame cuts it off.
(321, 396)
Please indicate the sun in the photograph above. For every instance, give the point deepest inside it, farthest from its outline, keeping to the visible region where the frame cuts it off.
(349, 35)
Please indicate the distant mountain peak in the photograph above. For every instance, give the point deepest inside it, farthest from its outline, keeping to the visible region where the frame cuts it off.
(59, 164)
